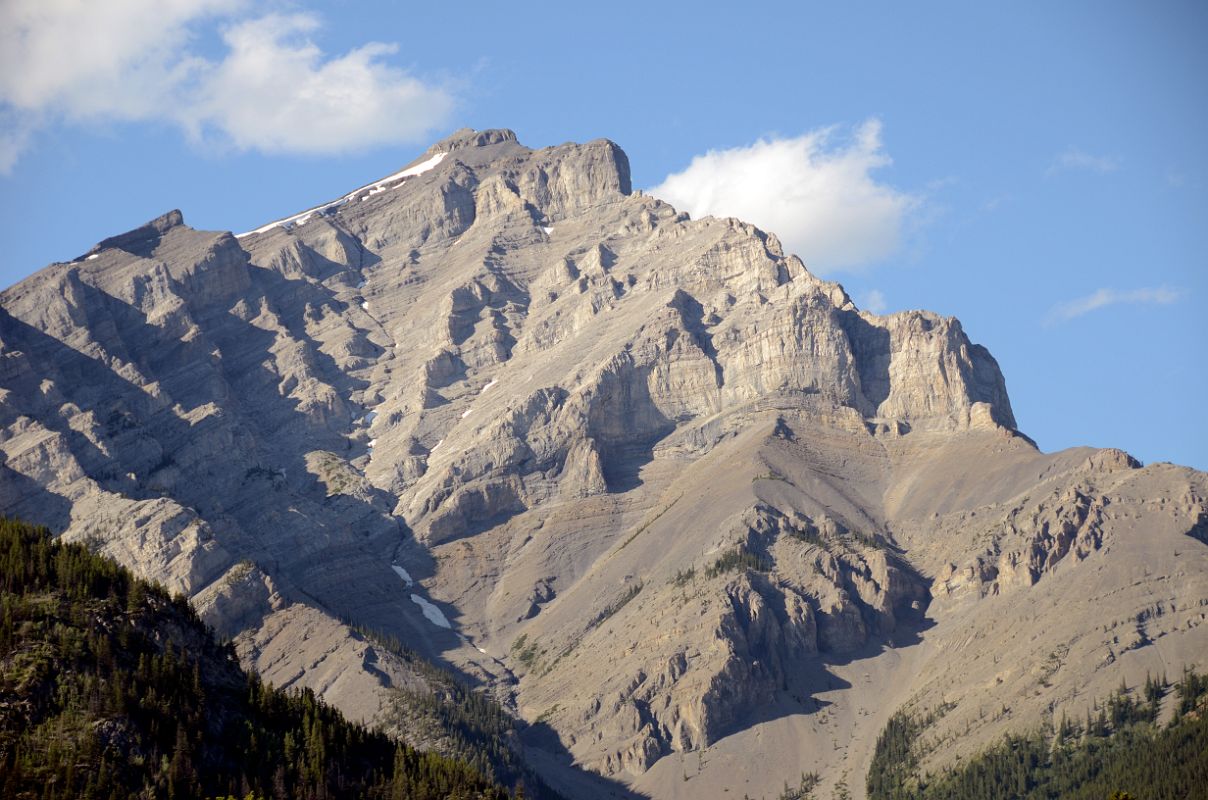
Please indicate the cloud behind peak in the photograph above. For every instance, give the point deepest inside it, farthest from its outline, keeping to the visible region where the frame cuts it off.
(816, 192)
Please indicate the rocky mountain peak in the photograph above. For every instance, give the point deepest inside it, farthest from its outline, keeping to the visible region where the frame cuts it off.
(643, 477)
(142, 240)
(468, 137)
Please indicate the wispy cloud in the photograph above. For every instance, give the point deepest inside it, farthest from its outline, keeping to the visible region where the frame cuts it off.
(874, 301)
(15, 133)
(1176, 179)
(1074, 159)
(1101, 298)
(271, 89)
(996, 202)
(818, 196)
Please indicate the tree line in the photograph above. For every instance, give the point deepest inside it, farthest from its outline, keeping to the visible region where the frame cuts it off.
(1120, 751)
(112, 688)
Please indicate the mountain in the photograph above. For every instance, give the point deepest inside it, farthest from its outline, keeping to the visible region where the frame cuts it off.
(645, 480)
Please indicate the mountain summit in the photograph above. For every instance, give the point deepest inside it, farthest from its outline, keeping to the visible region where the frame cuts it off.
(645, 479)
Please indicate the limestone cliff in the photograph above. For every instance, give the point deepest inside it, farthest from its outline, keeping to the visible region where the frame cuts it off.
(645, 478)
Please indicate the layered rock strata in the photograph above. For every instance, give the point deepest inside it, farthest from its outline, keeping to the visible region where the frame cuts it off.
(645, 478)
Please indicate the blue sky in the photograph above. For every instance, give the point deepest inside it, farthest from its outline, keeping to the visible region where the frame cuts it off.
(1037, 169)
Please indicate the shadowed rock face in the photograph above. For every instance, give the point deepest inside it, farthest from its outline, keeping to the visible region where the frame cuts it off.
(673, 495)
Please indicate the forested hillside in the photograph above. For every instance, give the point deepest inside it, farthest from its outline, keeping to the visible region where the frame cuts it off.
(456, 721)
(1118, 752)
(109, 688)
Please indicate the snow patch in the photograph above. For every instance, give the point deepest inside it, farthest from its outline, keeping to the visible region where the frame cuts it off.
(547, 231)
(434, 614)
(438, 444)
(365, 304)
(404, 574)
(489, 385)
(466, 413)
(92, 257)
(409, 172)
(371, 188)
(372, 443)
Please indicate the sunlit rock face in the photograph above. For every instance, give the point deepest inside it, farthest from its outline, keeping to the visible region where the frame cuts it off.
(645, 478)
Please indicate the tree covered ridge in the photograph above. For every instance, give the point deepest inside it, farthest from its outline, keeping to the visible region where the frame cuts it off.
(452, 719)
(111, 688)
(1120, 751)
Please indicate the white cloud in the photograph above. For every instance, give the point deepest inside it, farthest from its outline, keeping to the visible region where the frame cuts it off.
(874, 301)
(274, 92)
(15, 133)
(272, 89)
(82, 59)
(1160, 295)
(1075, 159)
(819, 198)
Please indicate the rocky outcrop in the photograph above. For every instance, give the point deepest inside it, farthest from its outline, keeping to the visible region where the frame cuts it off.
(706, 646)
(1027, 547)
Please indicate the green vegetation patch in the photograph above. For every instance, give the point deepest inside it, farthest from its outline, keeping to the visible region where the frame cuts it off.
(631, 592)
(526, 652)
(804, 790)
(683, 577)
(111, 688)
(1118, 752)
(738, 558)
(336, 474)
(456, 721)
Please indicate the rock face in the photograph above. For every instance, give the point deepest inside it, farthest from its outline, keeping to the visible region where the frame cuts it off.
(645, 478)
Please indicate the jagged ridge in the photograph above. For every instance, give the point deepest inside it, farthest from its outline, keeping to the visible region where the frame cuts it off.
(542, 397)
